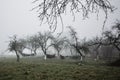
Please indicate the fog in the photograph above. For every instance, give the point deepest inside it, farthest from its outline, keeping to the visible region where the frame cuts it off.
(17, 18)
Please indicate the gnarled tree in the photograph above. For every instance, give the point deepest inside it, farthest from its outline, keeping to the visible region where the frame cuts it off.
(16, 46)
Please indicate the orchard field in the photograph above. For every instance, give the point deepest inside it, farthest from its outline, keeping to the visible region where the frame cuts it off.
(54, 69)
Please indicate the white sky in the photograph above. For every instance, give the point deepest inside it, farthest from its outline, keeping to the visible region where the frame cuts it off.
(16, 18)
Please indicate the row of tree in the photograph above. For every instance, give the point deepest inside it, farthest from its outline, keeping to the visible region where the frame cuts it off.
(43, 41)
(46, 40)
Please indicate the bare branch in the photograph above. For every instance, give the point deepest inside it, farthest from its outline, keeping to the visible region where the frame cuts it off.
(51, 10)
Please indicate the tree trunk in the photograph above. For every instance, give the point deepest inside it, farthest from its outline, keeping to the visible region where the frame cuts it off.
(35, 52)
(81, 58)
(71, 52)
(45, 57)
(18, 57)
(58, 54)
(45, 53)
(97, 55)
(81, 55)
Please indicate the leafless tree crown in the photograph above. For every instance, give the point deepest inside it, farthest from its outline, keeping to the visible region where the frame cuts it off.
(51, 10)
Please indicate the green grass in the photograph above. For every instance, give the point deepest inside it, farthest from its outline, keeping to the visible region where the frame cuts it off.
(38, 69)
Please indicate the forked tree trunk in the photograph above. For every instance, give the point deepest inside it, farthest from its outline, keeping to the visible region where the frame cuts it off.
(81, 55)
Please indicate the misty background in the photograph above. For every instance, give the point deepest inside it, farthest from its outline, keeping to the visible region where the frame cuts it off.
(17, 18)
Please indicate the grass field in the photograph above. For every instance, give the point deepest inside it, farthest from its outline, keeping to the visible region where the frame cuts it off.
(51, 69)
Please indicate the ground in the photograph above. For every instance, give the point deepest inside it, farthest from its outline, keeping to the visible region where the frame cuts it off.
(52, 69)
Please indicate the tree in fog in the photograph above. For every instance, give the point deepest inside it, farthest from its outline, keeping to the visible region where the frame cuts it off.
(58, 44)
(95, 45)
(22, 46)
(18, 45)
(51, 11)
(15, 46)
(112, 37)
(75, 43)
(33, 44)
(44, 40)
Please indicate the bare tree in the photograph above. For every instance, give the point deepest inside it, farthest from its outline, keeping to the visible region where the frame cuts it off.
(113, 36)
(51, 10)
(18, 46)
(14, 46)
(44, 42)
(58, 44)
(96, 43)
(23, 45)
(75, 44)
(109, 38)
(33, 44)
